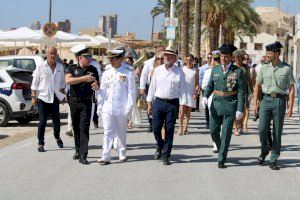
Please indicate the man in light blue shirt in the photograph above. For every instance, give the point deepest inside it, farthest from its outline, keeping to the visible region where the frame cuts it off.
(201, 75)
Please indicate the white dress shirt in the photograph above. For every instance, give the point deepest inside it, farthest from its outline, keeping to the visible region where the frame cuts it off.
(206, 77)
(225, 68)
(117, 90)
(145, 75)
(47, 83)
(167, 84)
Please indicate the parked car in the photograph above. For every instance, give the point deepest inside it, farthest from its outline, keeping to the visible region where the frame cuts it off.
(25, 62)
(15, 95)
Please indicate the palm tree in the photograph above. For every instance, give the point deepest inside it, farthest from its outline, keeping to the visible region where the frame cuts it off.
(162, 7)
(154, 13)
(185, 27)
(197, 29)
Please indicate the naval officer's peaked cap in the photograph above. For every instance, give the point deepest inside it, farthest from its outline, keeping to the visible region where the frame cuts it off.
(276, 46)
(114, 53)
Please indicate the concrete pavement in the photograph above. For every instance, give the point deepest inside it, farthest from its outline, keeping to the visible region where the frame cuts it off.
(193, 174)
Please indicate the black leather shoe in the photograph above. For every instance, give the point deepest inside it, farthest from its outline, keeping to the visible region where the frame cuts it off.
(41, 148)
(261, 158)
(274, 166)
(166, 161)
(60, 143)
(157, 154)
(221, 165)
(76, 156)
(83, 160)
(149, 129)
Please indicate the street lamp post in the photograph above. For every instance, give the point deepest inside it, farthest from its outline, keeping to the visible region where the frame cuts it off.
(50, 10)
(172, 13)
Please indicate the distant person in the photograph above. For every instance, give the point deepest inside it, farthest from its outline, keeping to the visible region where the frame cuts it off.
(48, 88)
(36, 52)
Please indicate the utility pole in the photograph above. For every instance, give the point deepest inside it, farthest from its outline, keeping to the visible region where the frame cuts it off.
(50, 10)
(172, 13)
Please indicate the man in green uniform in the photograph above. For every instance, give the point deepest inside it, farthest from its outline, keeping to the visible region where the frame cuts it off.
(227, 85)
(274, 78)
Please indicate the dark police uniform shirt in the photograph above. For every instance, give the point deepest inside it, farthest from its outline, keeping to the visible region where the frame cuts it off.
(83, 89)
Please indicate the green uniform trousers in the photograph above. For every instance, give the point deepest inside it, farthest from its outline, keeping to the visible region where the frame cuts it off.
(223, 141)
(271, 108)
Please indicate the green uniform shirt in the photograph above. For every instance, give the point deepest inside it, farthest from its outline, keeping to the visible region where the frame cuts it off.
(275, 79)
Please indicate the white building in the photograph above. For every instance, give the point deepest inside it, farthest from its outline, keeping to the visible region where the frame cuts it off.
(256, 47)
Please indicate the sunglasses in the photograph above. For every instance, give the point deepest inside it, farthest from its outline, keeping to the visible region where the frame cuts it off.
(159, 58)
(87, 57)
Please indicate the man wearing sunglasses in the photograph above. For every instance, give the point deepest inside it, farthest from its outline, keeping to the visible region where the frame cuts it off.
(83, 80)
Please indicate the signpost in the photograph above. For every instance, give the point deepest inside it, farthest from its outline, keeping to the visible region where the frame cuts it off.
(49, 29)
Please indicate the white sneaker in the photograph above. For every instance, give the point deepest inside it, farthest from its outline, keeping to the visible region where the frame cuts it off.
(122, 158)
(103, 161)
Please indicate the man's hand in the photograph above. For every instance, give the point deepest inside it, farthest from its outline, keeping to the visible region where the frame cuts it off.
(89, 78)
(99, 112)
(34, 101)
(127, 112)
(204, 102)
(149, 109)
(95, 85)
(238, 115)
(142, 92)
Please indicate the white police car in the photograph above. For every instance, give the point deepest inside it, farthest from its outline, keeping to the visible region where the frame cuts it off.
(15, 95)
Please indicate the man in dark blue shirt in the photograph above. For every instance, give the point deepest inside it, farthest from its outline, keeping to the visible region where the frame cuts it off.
(83, 80)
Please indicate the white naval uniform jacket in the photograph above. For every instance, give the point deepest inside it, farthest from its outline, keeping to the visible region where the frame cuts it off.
(117, 90)
(47, 83)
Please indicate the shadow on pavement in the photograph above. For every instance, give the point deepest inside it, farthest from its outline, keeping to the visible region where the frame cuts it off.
(3, 136)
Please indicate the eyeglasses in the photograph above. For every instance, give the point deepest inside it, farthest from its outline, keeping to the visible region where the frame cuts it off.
(209, 57)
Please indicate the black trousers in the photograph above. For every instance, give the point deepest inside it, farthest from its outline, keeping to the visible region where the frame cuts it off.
(81, 115)
(44, 110)
(164, 112)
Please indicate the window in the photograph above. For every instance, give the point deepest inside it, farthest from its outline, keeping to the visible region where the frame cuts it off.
(292, 50)
(258, 46)
(5, 63)
(28, 64)
(243, 45)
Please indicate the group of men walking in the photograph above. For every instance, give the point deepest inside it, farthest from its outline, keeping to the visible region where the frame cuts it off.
(166, 96)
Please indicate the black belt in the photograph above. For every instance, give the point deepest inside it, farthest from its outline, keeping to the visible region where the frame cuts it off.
(81, 98)
(275, 95)
(168, 100)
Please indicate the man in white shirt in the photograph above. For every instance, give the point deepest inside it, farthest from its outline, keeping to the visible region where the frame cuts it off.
(115, 102)
(48, 87)
(166, 87)
(145, 79)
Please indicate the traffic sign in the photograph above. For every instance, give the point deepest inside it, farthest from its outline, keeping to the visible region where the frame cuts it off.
(171, 32)
(171, 22)
(50, 29)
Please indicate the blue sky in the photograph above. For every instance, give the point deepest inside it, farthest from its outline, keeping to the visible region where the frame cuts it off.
(134, 15)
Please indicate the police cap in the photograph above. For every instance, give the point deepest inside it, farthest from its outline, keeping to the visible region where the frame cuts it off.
(227, 49)
(276, 46)
(80, 49)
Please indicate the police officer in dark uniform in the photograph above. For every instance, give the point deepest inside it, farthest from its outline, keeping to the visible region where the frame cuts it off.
(83, 80)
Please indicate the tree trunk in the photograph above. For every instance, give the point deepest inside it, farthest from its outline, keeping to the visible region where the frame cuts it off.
(214, 37)
(197, 29)
(185, 28)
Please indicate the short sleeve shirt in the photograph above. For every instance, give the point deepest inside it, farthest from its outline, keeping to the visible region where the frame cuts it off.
(275, 79)
(83, 89)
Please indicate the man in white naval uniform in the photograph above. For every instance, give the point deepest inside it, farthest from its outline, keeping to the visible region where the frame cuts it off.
(115, 102)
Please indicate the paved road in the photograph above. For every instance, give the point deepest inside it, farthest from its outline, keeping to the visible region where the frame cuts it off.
(193, 174)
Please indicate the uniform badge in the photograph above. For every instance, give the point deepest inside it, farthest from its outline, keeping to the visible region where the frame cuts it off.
(216, 74)
(231, 81)
(77, 72)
